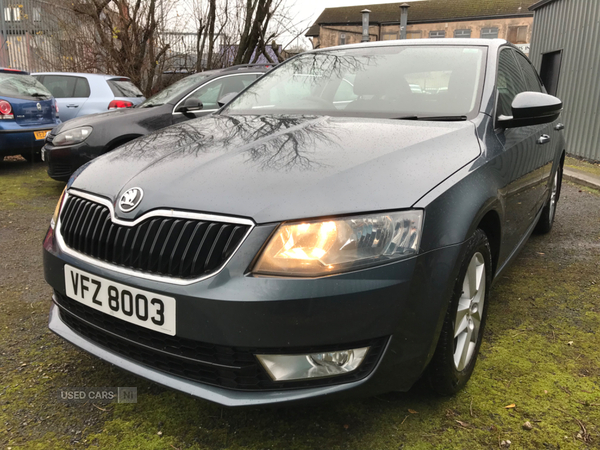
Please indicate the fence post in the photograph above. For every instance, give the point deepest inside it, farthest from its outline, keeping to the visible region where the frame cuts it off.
(4, 62)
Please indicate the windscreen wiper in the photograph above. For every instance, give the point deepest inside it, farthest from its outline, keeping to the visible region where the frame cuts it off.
(437, 118)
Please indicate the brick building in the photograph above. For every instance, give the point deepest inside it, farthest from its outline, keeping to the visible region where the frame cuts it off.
(506, 19)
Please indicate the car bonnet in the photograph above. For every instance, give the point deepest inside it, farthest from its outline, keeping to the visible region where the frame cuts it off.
(273, 168)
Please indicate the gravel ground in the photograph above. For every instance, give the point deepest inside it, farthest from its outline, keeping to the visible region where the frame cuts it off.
(537, 383)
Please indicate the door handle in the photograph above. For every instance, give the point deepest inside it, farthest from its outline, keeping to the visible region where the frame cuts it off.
(72, 106)
(543, 139)
(559, 126)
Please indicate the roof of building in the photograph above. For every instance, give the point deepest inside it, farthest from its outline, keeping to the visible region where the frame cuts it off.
(423, 11)
(540, 4)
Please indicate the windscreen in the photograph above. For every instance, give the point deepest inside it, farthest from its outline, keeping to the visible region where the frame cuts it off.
(22, 86)
(174, 92)
(391, 82)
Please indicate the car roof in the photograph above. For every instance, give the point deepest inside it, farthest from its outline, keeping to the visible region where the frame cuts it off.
(15, 71)
(467, 42)
(83, 74)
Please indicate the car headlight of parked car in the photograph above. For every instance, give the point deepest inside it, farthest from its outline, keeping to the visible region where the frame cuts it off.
(321, 247)
(74, 136)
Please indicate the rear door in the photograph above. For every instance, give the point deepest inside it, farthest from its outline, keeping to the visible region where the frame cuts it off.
(71, 93)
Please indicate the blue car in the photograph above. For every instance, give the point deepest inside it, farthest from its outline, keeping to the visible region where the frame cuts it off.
(80, 94)
(27, 113)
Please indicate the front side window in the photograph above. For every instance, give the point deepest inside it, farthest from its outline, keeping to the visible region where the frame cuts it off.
(213, 91)
(393, 81)
(531, 79)
(509, 82)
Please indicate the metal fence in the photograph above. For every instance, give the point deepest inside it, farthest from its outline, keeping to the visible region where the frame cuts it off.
(30, 35)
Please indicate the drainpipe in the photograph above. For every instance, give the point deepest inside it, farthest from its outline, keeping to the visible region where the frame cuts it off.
(403, 19)
(365, 23)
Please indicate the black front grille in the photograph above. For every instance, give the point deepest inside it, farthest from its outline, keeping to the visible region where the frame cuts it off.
(166, 246)
(228, 367)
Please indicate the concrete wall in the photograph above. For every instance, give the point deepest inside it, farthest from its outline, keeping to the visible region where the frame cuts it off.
(573, 27)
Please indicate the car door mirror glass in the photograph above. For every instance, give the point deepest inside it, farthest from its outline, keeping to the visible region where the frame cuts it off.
(226, 98)
(531, 108)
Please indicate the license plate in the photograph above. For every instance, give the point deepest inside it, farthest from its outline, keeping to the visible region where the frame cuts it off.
(40, 134)
(146, 309)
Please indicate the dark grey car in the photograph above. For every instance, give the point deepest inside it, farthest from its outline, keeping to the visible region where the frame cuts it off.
(333, 230)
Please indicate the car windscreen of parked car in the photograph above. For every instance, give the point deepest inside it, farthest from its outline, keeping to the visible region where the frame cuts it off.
(123, 87)
(22, 86)
(392, 82)
(173, 93)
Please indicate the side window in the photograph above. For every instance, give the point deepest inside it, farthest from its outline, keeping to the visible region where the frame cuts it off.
(211, 92)
(82, 88)
(509, 82)
(531, 79)
(60, 86)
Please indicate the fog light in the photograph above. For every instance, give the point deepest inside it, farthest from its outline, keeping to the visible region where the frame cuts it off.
(313, 365)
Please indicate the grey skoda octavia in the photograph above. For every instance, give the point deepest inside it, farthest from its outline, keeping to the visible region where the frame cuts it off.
(332, 231)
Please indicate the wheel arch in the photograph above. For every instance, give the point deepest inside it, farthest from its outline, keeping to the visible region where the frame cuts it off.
(116, 142)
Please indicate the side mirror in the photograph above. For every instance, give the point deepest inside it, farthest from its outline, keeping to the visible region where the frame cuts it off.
(190, 105)
(532, 108)
(226, 98)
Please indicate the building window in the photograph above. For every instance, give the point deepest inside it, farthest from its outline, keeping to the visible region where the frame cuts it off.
(517, 35)
(342, 39)
(389, 36)
(414, 34)
(462, 33)
(437, 34)
(489, 33)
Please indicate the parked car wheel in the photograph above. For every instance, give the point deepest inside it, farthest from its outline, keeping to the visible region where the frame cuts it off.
(544, 225)
(460, 339)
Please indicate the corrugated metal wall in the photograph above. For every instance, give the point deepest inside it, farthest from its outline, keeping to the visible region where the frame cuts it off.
(573, 26)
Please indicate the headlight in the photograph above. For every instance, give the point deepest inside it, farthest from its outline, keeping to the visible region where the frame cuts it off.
(74, 136)
(57, 209)
(316, 248)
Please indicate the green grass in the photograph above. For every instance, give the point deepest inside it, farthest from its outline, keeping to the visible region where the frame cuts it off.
(541, 353)
(585, 166)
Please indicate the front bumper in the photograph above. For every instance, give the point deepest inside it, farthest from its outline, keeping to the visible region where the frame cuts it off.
(401, 305)
(64, 161)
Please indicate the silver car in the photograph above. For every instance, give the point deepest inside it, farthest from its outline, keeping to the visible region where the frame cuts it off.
(79, 94)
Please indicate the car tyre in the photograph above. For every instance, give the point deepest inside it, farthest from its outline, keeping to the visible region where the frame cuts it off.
(544, 225)
(460, 339)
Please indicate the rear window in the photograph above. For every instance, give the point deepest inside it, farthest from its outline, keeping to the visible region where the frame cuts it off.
(124, 88)
(21, 86)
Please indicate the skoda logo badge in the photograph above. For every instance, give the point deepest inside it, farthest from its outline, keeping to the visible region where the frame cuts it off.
(39, 107)
(130, 199)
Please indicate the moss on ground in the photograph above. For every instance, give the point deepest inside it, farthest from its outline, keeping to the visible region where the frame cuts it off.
(586, 166)
(541, 353)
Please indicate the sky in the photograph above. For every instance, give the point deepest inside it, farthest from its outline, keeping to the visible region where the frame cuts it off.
(307, 11)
